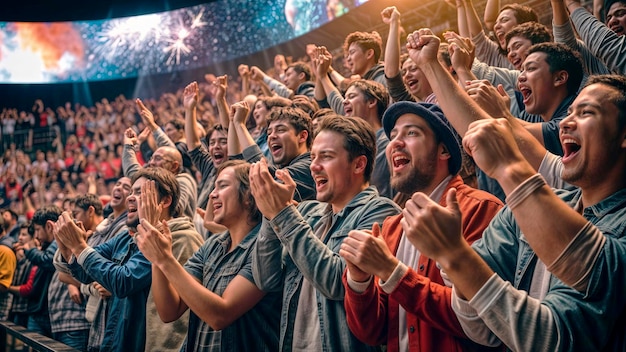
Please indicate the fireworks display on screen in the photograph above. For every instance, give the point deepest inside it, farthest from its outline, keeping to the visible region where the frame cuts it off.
(151, 44)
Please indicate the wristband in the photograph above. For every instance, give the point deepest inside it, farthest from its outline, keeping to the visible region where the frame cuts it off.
(524, 190)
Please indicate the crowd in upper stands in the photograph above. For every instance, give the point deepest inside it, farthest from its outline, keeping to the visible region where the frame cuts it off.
(447, 191)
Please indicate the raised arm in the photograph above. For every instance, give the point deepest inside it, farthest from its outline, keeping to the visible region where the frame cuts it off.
(256, 74)
(492, 9)
(221, 85)
(190, 101)
(457, 106)
(332, 94)
(244, 73)
(461, 18)
(130, 164)
(391, 16)
(239, 112)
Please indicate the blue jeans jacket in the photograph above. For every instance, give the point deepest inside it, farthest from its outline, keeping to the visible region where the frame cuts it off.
(589, 321)
(121, 268)
(288, 250)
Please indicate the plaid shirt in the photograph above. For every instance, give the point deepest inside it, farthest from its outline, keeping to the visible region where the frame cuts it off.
(65, 315)
(20, 304)
(216, 268)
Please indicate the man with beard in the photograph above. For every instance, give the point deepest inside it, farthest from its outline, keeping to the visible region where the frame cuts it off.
(425, 156)
(297, 248)
(121, 269)
(11, 226)
(548, 273)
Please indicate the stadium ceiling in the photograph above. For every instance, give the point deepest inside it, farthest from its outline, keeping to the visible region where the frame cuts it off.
(77, 10)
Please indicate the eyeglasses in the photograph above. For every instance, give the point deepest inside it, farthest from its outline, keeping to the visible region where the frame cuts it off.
(158, 159)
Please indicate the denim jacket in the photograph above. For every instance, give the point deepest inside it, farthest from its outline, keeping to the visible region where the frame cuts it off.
(121, 268)
(288, 250)
(565, 320)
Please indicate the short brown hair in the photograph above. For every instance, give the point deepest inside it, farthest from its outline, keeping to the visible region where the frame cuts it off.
(359, 138)
(366, 41)
(166, 185)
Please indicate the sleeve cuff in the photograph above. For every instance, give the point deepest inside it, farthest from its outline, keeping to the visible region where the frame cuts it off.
(462, 307)
(358, 287)
(488, 294)
(394, 280)
(83, 255)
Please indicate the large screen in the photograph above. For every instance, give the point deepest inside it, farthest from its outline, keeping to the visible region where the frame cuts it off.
(156, 43)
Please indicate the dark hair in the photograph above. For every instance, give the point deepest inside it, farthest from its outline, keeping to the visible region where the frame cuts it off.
(297, 118)
(301, 67)
(273, 101)
(45, 213)
(177, 123)
(607, 6)
(305, 104)
(14, 215)
(84, 201)
(373, 91)
(365, 41)
(242, 174)
(533, 31)
(210, 130)
(166, 185)
(561, 57)
(522, 13)
(359, 138)
(618, 83)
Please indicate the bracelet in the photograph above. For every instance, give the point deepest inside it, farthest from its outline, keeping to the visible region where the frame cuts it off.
(524, 190)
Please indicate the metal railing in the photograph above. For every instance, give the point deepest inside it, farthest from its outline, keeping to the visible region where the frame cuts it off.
(30, 340)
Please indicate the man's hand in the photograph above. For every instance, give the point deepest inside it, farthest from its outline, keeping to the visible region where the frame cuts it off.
(323, 61)
(144, 135)
(461, 51)
(69, 235)
(492, 145)
(151, 208)
(390, 14)
(493, 100)
(190, 96)
(271, 196)
(434, 230)
(75, 294)
(104, 294)
(423, 46)
(244, 71)
(239, 112)
(256, 74)
(130, 137)
(146, 115)
(367, 254)
(221, 85)
(155, 245)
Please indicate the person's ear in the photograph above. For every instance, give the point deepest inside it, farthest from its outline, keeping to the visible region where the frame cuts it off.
(303, 136)
(443, 152)
(360, 164)
(166, 201)
(560, 78)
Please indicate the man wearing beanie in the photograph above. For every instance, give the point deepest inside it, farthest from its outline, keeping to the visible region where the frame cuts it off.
(408, 306)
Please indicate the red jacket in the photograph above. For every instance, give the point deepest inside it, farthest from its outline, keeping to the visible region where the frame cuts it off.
(373, 315)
